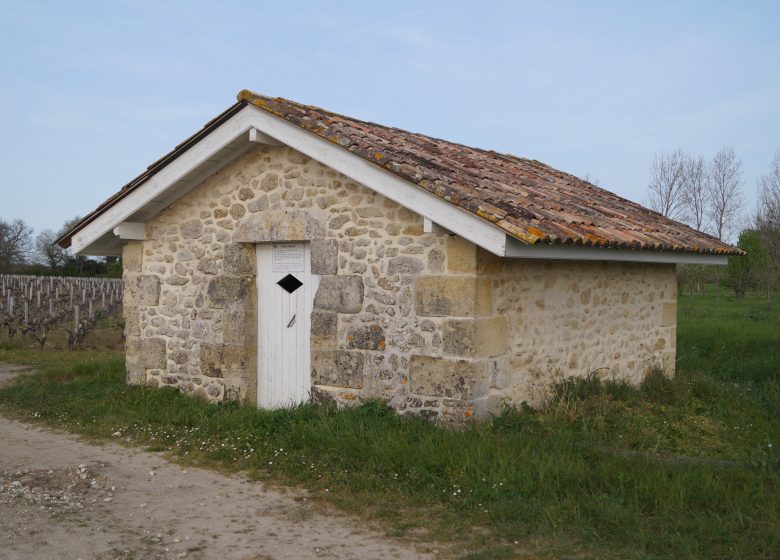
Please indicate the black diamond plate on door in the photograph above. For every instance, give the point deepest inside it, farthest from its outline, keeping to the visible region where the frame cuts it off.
(290, 283)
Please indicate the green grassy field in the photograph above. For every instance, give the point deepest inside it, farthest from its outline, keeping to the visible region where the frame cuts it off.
(680, 468)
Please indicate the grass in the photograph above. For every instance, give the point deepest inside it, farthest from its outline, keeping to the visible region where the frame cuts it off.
(677, 468)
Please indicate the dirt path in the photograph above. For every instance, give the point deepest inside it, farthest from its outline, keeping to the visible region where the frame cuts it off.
(61, 497)
(9, 371)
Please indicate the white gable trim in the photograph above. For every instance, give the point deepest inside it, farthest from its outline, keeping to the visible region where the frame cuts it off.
(406, 194)
(258, 126)
(181, 169)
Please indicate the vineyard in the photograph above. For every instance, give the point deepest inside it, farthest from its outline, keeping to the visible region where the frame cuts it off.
(60, 313)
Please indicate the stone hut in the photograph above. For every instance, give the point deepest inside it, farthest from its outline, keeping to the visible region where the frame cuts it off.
(285, 253)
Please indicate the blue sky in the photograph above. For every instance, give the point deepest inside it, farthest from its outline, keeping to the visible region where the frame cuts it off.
(93, 92)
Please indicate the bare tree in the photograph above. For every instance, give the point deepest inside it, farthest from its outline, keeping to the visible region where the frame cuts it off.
(76, 262)
(15, 239)
(665, 194)
(768, 222)
(724, 192)
(694, 191)
(47, 251)
(592, 181)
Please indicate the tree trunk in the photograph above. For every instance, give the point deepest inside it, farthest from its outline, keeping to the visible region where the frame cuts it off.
(717, 283)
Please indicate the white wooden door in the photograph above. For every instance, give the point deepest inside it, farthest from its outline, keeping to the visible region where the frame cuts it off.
(285, 295)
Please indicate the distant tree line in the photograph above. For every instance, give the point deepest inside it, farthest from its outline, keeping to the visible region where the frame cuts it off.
(708, 196)
(23, 253)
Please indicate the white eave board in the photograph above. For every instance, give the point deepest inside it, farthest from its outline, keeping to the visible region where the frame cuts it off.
(222, 145)
(518, 249)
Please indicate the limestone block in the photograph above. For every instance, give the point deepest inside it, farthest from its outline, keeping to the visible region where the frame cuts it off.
(245, 193)
(369, 212)
(447, 377)
(270, 182)
(324, 256)
(223, 360)
(146, 353)
(455, 296)
(405, 265)
(279, 225)
(323, 323)
(476, 338)
(340, 368)
(177, 280)
(259, 204)
(148, 289)
(226, 290)
(131, 315)
(323, 330)
(234, 327)
(180, 356)
(135, 375)
(132, 256)
(669, 314)
(366, 337)
(191, 229)
(208, 266)
(337, 221)
(238, 260)
(461, 254)
(343, 294)
(237, 211)
(435, 260)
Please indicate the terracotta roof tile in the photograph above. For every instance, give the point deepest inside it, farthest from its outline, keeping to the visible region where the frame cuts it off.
(528, 199)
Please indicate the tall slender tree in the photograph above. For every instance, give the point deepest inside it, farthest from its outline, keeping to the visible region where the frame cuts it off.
(768, 223)
(694, 191)
(665, 194)
(724, 192)
(724, 197)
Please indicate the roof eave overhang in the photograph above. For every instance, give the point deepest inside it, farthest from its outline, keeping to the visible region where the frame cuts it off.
(143, 201)
(518, 249)
(225, 139)
(65, 241)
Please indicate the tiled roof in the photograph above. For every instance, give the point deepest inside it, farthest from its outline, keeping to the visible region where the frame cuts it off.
(526, 198)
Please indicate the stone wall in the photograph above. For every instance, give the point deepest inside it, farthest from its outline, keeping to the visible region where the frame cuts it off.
(616, 320)
(191, 322)
(425, 321)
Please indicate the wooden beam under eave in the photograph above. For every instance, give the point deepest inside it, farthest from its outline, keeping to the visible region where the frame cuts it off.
(131, 231)
(262, 138)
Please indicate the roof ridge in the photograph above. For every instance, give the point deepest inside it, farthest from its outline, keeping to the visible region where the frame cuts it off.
(249, 96)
